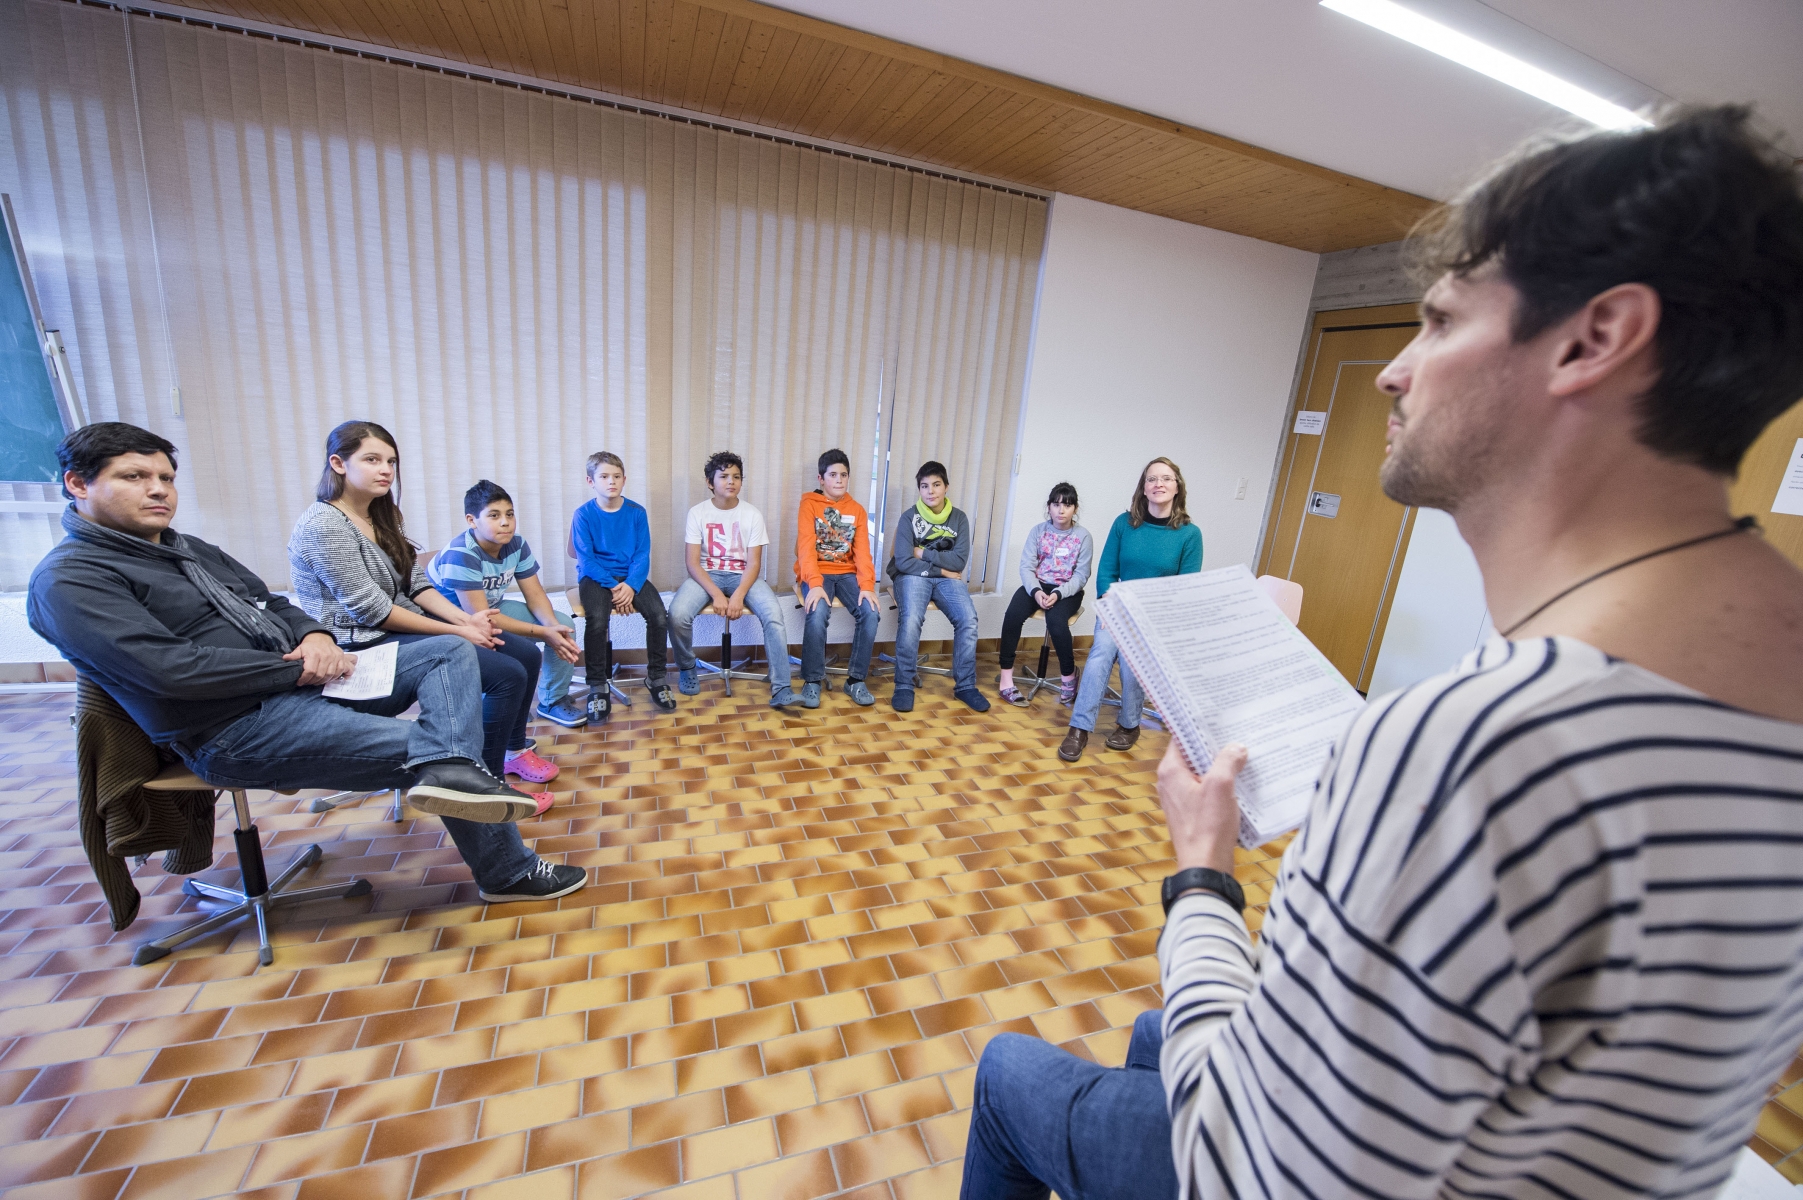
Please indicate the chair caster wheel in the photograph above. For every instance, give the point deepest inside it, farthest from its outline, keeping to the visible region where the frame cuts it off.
(145, 955)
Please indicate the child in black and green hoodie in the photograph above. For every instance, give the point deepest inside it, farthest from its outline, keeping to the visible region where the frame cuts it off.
(932, 548)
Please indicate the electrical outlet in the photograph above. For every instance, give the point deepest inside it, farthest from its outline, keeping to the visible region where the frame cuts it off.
(1239, 493)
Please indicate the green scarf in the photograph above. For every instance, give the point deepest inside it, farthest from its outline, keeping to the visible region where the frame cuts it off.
(932, 531)
(926, 514)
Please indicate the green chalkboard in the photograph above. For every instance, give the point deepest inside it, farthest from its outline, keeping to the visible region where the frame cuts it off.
(31, 420)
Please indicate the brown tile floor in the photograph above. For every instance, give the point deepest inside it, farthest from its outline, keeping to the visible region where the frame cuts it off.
(801, 933)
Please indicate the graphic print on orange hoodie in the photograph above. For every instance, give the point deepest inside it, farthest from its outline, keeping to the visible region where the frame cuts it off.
(832, 537)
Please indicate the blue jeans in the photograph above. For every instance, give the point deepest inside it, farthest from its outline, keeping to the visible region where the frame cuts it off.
(299, 739)
(506, 677)
(911, 595)
(553, 673)
(813, 639)
(1044, 1119)
(691, 598)
(1096, 669)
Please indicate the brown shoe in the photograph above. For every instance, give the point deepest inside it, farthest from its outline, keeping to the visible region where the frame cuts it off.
(1072, 747)
(1122, 738)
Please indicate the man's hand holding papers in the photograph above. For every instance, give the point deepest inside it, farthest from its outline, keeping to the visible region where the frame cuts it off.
(1225, 666)
(1201, 811)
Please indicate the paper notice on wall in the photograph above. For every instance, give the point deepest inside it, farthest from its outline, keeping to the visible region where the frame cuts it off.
(1310, 422)
(372, 680)
(1790, 489)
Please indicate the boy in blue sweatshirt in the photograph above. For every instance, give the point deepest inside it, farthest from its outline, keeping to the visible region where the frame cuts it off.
(612, 540)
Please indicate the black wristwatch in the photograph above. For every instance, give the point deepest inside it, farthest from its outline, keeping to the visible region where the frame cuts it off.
(1219, 882)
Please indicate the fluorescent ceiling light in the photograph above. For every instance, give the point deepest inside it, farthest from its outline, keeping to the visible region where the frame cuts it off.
(1411, 26)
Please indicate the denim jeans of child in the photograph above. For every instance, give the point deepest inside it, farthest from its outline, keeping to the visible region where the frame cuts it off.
(691, 598)
(300, 739)
(911, 595)
(554, 675)
(1047, 1120)
(813, 642)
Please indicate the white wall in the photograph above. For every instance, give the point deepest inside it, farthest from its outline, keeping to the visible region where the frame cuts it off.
(1439, 614)
(1157, 337)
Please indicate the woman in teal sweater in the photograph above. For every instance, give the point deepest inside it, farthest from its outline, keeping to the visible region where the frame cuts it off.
(1153, 538)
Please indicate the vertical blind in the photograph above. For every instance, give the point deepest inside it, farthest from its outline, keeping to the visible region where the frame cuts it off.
(507, 280)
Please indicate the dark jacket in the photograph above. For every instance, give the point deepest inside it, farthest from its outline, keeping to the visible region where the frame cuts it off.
(139, 629)
(117, 817)
(944, 546)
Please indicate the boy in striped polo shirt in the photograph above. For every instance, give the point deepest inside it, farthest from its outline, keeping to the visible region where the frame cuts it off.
(1542, 932)
(477, 570)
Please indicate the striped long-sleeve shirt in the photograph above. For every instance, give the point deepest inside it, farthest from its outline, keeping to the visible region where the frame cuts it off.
(1541, 936)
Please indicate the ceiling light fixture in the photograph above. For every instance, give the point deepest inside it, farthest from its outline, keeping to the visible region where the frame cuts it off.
(1411, 26)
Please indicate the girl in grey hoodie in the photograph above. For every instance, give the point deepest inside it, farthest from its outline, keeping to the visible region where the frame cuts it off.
(1054, 567)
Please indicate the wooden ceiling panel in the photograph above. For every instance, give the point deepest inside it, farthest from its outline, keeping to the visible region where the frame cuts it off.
(744, 61)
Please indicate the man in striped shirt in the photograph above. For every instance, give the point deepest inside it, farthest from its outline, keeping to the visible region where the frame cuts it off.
(1542, 933)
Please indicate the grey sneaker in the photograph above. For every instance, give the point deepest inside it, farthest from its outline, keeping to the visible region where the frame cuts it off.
(810, 695)
(859, 694)
(902, 700)
(543, 882)
(686, 683)
(782, 696)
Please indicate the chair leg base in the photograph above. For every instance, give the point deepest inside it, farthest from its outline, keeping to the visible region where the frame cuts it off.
(730, 673)
(1112, 699)
(339, 800)
(1033, 680)
(918, 668)
(242, 905)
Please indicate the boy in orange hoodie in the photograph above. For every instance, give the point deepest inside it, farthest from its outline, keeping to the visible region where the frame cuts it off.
(832, 560)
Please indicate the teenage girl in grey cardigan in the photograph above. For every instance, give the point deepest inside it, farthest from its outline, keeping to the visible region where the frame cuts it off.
(1054, 567)
(355, 572)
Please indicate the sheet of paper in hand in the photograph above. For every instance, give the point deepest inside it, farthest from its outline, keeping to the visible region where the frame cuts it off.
(1223, 664)
(373, 678)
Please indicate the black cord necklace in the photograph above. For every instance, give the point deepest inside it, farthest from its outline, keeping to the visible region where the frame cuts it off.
(1740, 526)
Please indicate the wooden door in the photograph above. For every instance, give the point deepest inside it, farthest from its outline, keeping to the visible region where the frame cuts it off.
(1330, 527)
(1760, 473)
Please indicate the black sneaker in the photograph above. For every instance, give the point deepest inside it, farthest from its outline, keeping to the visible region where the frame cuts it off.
(457, 787)
(974, 698)
(600, 706)
(661, 695)
(543, 882)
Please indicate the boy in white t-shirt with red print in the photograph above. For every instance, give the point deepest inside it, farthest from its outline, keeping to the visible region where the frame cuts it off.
(725, 540)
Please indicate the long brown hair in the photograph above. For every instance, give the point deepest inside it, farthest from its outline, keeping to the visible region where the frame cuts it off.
(1137, 510)
(384, 511)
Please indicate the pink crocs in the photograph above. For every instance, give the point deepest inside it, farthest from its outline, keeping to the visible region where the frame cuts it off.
(544, 800)
(529, 766)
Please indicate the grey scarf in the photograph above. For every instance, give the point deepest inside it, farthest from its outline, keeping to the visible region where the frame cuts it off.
(263, 630)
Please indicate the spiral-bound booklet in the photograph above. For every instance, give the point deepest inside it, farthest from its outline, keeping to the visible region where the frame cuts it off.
(1222, 664)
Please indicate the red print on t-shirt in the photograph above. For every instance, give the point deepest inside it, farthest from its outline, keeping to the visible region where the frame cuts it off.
(720, 550)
